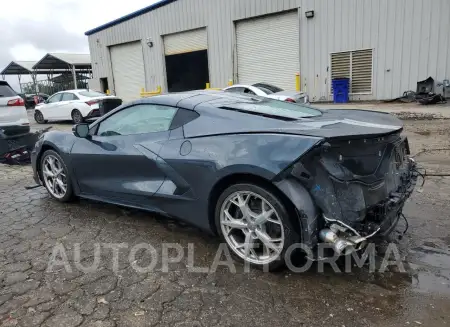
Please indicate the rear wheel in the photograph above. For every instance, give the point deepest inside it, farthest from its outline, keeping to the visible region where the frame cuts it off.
(77, 117)
(55, 176)
(39, 117)
(255, 225)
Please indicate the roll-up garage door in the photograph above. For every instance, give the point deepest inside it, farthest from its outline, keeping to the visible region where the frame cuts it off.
(268, 50)
(128, 70)
(183, 42)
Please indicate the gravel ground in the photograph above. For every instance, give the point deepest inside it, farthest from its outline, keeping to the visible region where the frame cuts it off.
(31, 224)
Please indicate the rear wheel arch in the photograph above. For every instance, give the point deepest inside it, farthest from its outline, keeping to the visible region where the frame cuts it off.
(240, 178)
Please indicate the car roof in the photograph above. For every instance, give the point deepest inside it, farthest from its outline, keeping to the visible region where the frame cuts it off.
(72, 91)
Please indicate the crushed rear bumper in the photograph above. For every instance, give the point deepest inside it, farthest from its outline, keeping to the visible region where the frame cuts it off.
(361, 185)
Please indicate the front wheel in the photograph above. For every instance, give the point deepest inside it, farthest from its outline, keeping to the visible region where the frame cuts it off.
(77, 117)
(255, 225)
(55, 176)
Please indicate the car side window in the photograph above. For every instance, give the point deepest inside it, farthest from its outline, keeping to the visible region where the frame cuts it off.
(69, 97)
(235, 90)
(55, 98)
(248, 91)
(138, 119)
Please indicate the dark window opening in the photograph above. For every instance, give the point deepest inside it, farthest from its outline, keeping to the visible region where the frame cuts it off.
(104, 84)
(187, 71)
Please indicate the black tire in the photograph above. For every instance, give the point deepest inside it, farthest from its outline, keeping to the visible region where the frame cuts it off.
(290, 235)
(69, 195)
(39, 117)
(77, 117)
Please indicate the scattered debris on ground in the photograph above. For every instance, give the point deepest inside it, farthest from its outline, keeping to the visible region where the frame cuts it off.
(410, 115)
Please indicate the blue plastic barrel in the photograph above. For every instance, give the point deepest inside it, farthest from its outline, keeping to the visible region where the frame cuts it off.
(340, 90)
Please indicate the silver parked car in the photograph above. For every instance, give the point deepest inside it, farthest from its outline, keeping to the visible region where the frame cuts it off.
(13, 115)
(269, 91)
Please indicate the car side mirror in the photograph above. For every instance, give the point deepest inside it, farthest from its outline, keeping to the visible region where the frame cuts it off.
(81, 130)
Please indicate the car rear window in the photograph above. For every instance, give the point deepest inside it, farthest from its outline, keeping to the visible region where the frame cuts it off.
(275, 109)
(91, 94)
(6, 90)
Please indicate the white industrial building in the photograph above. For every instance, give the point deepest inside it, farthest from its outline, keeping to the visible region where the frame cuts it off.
(384, 46)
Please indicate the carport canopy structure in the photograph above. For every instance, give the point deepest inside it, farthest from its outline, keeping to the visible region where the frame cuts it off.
(19, 68)
(57, 62)
(51, 63)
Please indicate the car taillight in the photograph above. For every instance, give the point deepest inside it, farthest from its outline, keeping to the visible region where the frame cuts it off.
(92, 102)
(289, 100)
(16, 103)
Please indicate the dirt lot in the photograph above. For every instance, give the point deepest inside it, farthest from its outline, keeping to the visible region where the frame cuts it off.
(31, 224)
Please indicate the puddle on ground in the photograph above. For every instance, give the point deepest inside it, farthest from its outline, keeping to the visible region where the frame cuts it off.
(431, 270)
(428, 282)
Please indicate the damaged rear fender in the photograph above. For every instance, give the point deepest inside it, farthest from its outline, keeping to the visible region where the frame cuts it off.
(308, 214)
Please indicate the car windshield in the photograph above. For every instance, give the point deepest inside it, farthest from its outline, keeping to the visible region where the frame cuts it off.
(267, 88)
(91, 94)
(276, 108)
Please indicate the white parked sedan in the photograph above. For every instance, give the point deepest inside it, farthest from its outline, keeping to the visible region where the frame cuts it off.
(75, 105)
(269, 91)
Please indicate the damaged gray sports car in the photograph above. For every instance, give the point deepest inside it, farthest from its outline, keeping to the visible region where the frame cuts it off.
(260, 173)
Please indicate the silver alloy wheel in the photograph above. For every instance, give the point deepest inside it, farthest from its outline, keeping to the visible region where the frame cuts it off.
(55, 178)
(252, 227)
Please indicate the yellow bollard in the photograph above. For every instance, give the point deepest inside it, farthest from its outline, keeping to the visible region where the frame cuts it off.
(297, 81)
(230, 82)
(208, 85)
(107, 92)
(150, 93)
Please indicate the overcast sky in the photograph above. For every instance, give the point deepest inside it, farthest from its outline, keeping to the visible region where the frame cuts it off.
(31, 28)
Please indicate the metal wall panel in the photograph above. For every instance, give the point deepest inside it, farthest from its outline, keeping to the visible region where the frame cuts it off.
(183, 42)
(268, 50)
(410, 39)
(128, 70)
